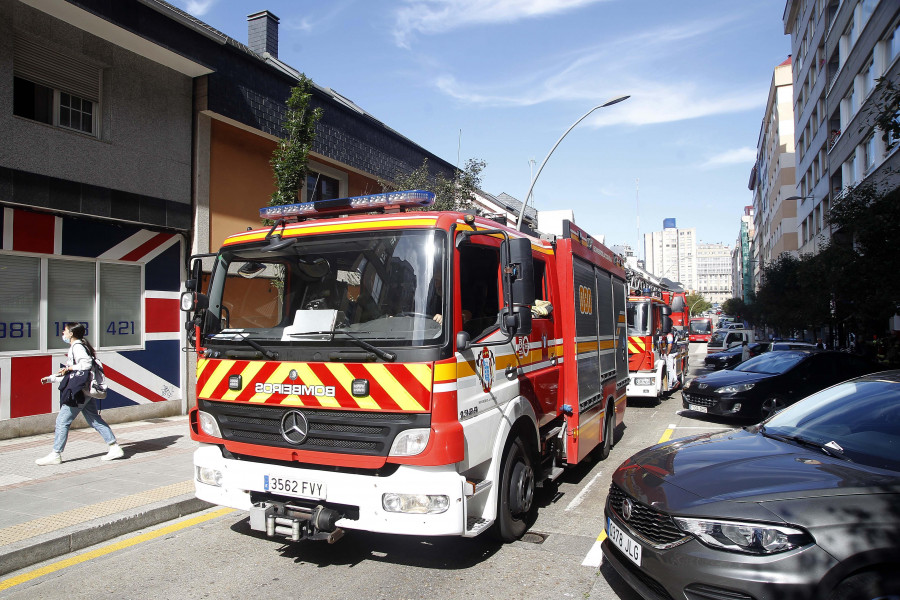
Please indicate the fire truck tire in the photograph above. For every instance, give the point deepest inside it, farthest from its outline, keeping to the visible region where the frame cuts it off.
(609, 431)
(515, 501)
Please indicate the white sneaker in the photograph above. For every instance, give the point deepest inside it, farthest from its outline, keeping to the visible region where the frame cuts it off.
(53, 458)
(115, 451)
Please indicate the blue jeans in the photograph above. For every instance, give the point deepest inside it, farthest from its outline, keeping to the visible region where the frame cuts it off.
(67, 414)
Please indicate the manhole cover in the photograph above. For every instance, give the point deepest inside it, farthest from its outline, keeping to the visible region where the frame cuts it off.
(532, 537)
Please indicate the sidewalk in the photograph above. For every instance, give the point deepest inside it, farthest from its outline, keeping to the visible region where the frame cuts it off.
(49, 511)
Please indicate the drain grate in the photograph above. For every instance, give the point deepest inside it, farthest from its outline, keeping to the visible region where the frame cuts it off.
(533, 537)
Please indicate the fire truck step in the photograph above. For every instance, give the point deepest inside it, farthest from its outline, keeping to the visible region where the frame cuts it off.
(475, 524)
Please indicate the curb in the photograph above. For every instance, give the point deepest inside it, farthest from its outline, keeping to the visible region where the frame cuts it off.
(51, 545)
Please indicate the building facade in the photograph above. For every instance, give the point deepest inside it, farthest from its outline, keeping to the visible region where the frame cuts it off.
(135, 135)
(840, 49)
(742, 285)
(672, 253)
(772, 179)
(714, 272)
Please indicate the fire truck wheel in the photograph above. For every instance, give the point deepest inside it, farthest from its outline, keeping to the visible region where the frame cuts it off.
(609, 431)
(515, 502)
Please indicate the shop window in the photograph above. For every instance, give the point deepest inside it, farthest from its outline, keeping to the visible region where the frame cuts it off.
(107, 298)
(20, 299)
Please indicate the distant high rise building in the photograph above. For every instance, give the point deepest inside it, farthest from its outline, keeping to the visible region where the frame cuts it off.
(672, 253)
(714, 272)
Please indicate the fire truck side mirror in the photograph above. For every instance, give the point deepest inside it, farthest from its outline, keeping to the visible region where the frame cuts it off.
(518, 265)
(463, 340)
(515, 320)
(666, 324)
(666, 310)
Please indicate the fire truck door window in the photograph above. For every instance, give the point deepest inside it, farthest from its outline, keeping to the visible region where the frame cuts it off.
(479, 267)
(638, 316)
(253, 303)
(543, 306)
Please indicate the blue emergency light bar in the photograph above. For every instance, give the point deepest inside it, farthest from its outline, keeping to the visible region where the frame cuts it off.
(371, 202)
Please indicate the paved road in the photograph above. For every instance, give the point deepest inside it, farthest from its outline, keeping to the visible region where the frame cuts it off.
(215, 555)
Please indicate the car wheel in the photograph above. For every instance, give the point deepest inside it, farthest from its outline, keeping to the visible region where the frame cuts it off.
(770, 406)
(609, 431)
(871, 585)
(515, 501)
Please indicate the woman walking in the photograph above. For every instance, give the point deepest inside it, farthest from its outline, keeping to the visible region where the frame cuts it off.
(72, 400)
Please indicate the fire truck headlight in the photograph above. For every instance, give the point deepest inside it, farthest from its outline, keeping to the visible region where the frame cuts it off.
(410, 442)
(643, 381)
(209, 476)
(208, 424)
(419, 504)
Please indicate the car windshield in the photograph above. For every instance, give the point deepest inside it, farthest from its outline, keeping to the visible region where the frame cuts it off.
(859, 420)
(701, 326)
(717, 338)
(772, 363)
(638, 317)
(377, 286)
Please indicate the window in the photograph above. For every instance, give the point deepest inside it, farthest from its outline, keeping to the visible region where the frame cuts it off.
(869, 153)
(868, 79)
(893, 44)
(20, 297)
(321, 187)
(106, 297)
(55, 88)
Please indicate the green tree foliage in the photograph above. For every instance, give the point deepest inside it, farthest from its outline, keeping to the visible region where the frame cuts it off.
(289, 161)
(850, 280)
(697, 303)
(736, 307)
(450, 194)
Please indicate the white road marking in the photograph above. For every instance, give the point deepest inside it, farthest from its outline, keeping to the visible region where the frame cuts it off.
(580, 497)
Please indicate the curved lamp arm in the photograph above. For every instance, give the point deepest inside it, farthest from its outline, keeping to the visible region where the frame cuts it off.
(541, 168)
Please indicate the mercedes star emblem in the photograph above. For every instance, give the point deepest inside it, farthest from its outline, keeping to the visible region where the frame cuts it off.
(294, 427)
(627, 507)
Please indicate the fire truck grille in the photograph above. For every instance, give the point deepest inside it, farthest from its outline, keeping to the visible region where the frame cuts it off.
(699, 400)
(367, 433)
(655, 527)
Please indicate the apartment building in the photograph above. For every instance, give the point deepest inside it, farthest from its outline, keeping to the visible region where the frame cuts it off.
(714, 272)
(672, 253)
(742, 261)
(840, 48)
(772, 178)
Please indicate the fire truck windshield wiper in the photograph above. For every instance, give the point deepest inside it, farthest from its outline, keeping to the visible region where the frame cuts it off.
(382, 354)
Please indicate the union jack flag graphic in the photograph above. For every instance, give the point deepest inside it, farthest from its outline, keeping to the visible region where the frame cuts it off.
(151, 373)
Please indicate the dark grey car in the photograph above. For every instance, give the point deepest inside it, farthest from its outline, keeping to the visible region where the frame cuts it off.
(805, 505)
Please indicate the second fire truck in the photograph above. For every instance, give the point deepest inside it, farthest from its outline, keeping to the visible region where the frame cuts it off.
(403, 372)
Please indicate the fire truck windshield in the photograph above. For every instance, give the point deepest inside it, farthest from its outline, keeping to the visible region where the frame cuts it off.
(383, 286)
(638, 318)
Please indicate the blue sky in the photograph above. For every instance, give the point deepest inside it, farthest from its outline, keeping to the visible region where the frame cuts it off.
(501, 80)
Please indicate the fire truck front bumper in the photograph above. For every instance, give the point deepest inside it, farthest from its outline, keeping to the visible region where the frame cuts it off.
(643, 384)
(412, 500)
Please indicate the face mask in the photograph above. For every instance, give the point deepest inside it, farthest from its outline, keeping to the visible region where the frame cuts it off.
(65, 339)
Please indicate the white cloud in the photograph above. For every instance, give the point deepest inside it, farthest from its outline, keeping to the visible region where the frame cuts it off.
(745, 155)
(593, 75)
(198, 8)
(437, 16)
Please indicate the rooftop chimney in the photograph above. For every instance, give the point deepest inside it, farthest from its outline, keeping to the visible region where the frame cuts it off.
(262, 33)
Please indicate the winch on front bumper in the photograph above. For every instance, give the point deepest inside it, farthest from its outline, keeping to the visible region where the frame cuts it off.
(296, 522)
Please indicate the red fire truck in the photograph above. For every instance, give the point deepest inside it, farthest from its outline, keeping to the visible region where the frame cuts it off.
(680, 311)
(654, 371)
(400, 372)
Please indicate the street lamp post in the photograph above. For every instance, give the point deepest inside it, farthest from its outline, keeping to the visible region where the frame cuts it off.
(541, 168)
